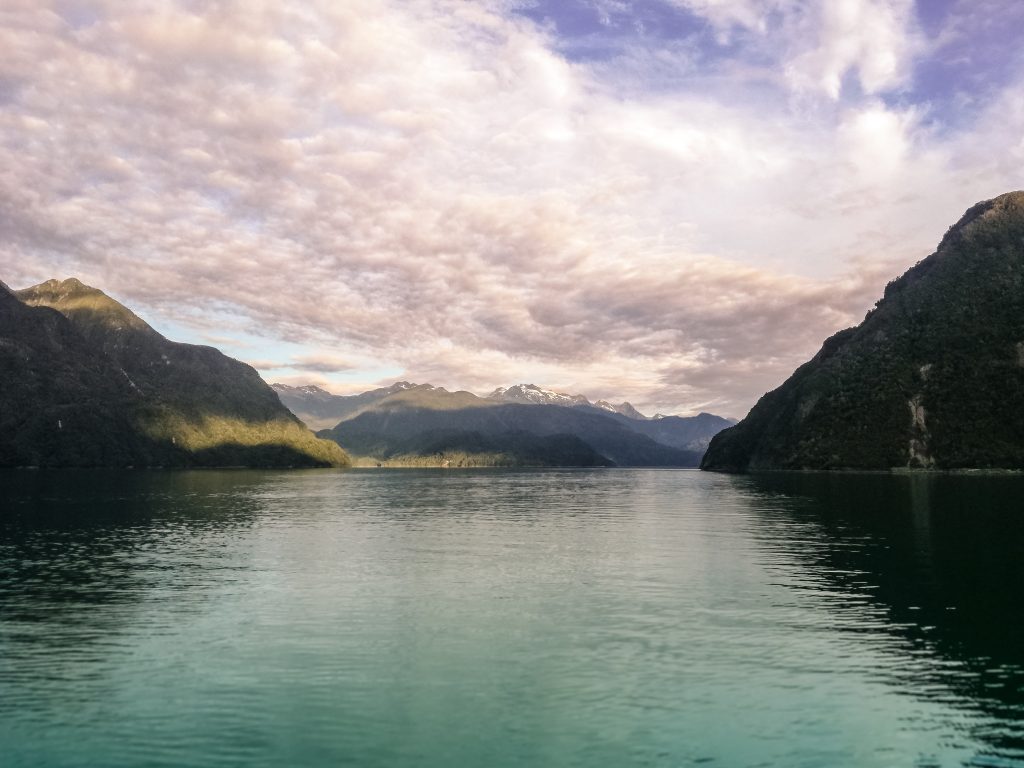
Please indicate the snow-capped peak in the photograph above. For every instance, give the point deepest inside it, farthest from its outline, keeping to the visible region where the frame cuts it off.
(623, 409)
(532, 394)
(308, 389)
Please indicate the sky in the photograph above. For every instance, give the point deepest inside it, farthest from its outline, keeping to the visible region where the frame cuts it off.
(671, 202)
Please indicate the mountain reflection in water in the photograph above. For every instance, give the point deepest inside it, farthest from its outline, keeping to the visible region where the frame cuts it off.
(510, 618)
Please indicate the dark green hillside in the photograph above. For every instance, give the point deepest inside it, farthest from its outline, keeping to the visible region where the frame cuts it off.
(88, 383)
(692, 433)
(933, 377)
(482, 439)
(404, 426)
(453, 448)
(60, 403)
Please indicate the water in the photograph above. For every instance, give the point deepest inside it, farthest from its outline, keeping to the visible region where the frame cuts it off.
(505, 618)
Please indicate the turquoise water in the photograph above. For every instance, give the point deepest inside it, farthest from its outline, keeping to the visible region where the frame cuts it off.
(507, 618)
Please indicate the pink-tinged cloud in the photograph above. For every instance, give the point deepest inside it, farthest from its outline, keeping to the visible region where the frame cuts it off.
(428, 186)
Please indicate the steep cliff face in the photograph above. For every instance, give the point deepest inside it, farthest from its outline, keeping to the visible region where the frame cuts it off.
(933, 377)
(88, 383)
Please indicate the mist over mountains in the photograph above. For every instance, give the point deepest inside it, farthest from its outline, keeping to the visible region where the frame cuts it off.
(420, 424)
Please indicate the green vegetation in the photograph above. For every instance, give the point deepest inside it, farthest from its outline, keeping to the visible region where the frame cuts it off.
(321, 410)
(401, 425)
(933, 377)
(509, 434)
(473, 449)
(88, 383)
(222, 441)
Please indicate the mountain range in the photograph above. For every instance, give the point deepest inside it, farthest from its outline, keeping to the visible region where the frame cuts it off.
(531, 394)
(89, 383)
(419, 424)
(933, 378)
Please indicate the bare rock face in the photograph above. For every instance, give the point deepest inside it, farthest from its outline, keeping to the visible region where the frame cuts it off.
(933, 377)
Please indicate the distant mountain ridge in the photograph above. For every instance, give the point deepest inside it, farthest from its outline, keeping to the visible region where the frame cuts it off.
(315, 405)
(531, 394)
(89, 383)
(405, 432)
(418, 424)
(320, 409)
(933, 378)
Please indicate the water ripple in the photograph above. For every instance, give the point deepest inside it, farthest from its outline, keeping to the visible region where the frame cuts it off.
(571, 618)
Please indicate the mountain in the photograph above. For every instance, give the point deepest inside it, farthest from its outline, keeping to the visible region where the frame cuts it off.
(416, 424)
(692, 433)
(530, 394)
(434, 443)
(623, 409)
(52, 379)
(933, 377)
(400, 429)
(320, 409)
(89, 383)
(421, 424)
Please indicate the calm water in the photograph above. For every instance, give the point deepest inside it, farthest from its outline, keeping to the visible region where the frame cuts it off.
(500, 618)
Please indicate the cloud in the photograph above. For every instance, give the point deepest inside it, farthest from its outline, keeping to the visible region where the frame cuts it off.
(726, 14)
(322, 363)
(874, 39)
(430, 186)
(267, 365)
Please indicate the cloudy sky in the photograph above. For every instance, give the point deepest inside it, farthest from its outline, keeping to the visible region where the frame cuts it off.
(667, 201)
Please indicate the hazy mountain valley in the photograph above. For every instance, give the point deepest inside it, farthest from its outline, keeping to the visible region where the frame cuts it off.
(932, 379)
(90, 384)
(421, 425)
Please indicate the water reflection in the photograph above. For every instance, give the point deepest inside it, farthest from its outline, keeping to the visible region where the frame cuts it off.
(73, 542)
(504, 618)
(933, 561)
